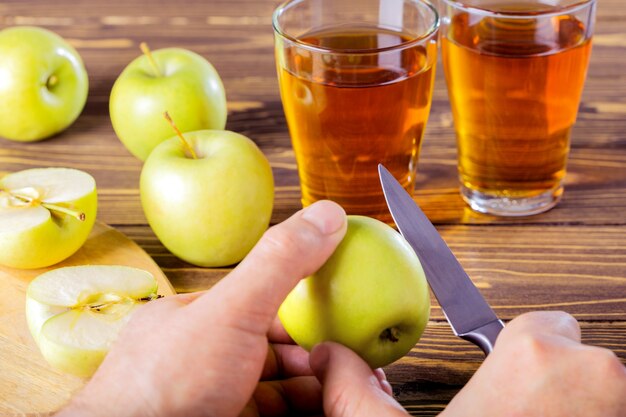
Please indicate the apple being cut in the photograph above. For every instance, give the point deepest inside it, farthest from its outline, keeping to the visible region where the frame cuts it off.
(43, 84)
(171, 79)
(371, 296)
(46, 214)
(208, 196)
(75, 313)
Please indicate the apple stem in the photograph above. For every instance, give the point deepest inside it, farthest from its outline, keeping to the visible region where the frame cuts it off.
(101, 305)
(52, 207)
(186, 145)
(146, 51)
(52, 81)
(76, 214)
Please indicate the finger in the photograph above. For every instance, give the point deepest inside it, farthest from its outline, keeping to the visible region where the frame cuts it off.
(278, 334)
(551, 323)
(382, 380)
(286, 361)
(344, 377)
(250, 295)
(293, 396)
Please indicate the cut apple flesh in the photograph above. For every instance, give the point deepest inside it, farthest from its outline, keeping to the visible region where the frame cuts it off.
(76, 313)
(24, 195)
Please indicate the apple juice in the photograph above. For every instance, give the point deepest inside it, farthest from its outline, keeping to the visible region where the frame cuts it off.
(349, 111)
(514, 88)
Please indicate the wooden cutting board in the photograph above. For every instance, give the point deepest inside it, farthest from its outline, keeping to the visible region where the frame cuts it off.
(27, 383)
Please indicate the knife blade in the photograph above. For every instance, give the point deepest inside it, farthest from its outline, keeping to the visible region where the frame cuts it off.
(469, 315)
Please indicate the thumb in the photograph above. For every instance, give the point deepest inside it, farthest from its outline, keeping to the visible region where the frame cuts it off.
(349, 386)
(287, 252)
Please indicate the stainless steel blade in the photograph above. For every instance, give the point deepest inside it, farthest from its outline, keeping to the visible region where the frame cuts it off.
(464, 307)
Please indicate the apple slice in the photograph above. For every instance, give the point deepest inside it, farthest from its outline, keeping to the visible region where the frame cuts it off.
(75, 313)
(46, 214)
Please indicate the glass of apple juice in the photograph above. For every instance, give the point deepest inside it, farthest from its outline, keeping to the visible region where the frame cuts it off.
(356, 81)
(515, 71)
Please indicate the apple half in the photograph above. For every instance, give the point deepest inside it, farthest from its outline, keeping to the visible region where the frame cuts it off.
(75, 313)
(46, 214)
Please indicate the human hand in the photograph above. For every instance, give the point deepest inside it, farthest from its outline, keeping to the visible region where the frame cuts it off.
(205, 353)
(539, 368)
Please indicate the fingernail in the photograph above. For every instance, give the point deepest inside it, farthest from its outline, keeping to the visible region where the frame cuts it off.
(326, 216)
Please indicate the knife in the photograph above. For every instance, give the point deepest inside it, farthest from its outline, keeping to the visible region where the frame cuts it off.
(469, 315)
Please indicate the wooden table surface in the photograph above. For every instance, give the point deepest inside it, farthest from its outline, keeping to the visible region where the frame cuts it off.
(572, 258)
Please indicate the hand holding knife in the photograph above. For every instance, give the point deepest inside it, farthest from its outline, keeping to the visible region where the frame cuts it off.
(469, 315)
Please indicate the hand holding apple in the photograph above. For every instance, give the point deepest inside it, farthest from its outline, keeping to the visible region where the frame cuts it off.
(208, 196)
(371, 296)
(46, 214)
(172, 79)
(43, 84)
(216, 344)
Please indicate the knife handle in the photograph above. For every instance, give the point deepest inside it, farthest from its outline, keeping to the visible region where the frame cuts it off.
(485, 336)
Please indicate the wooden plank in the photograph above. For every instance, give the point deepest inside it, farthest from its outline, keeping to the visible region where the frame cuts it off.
(579, 269)
(571, 258)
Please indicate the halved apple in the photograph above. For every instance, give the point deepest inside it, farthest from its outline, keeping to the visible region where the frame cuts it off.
(75, 313)
(46, 214)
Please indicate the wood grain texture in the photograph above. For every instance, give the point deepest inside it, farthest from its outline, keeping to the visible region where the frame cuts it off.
(572, 258)
(27, 383)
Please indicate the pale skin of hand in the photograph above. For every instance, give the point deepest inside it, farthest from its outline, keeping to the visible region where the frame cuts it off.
(223, 353)
(538, 368)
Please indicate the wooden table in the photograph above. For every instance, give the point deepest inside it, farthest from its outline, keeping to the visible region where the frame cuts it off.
(572, 258)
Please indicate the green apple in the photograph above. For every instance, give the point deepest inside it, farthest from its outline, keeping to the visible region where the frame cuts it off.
(43, 84)
(371, 296)
(208, 211)
(46, 214)
(75, 313)
(171, 79)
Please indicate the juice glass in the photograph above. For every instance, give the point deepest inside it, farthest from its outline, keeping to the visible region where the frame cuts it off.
(356, 82)
(515, 71)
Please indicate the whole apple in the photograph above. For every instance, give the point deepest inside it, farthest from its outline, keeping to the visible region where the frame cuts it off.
(172, 79)
(46, 214)
(371, 296)
(43, 84)
(212, 210)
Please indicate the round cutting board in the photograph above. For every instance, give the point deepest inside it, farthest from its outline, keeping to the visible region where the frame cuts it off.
(27, 383)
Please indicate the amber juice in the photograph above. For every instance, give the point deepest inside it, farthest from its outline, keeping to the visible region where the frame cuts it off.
(514, 87)
(347, 112)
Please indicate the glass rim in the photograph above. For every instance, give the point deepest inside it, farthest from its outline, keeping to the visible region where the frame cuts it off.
(553, 11)
(278, 30)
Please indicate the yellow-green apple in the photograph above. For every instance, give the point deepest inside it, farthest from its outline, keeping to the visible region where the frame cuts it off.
(371, 296)
(172, 79)
(43, 84)
(208, 202)
(75, 313)
(46, 214)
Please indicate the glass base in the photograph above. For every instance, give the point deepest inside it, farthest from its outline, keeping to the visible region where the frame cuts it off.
(510, 206)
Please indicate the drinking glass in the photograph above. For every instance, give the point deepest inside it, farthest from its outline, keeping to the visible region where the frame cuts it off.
(515, 72)
(356, 82)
